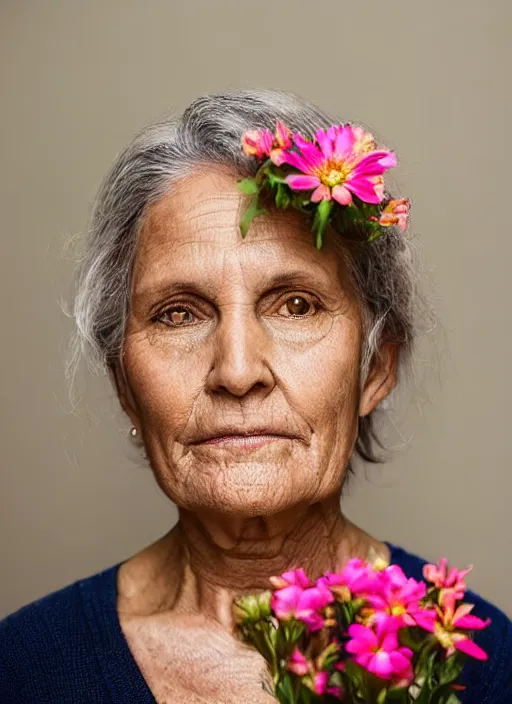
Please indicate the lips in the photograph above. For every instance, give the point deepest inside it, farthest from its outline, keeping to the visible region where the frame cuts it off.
(244, 442)
(251, 435)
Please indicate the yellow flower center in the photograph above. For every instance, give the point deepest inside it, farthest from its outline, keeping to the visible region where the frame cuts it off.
(332, 174)
(333, 178)
(444, 636)
(398, 610)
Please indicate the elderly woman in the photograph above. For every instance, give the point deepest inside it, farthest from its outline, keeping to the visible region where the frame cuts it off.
(251, 369)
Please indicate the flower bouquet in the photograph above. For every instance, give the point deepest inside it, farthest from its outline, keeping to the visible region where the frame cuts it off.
(366, 633)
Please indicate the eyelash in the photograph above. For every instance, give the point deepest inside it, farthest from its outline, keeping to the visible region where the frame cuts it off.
(184, 307)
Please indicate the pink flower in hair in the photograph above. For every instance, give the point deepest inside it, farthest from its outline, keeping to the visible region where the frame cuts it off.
(396, 212)
(340, 164)
(257, 143)
(282, 141)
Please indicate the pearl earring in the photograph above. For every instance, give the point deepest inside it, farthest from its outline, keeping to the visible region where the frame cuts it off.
(133, 433)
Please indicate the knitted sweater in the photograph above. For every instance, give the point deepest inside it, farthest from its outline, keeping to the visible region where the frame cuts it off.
(68, 648)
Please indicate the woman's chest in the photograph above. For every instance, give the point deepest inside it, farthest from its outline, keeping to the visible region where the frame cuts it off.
(196, 665)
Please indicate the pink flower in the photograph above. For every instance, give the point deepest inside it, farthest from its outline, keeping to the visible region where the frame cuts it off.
(396, 212)
(399, 598)
(315, 678)
(451, 621)
(292, 578)
(262, 143)
(257, 143)
(452, 580)
(298, 663)
(320, 680)
(379, 651)
(282, 141)
(339, 165)
(305, 605)
(358, 576)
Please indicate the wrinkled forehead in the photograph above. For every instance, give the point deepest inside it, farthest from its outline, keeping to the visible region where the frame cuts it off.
(209, 206)
(197, 225)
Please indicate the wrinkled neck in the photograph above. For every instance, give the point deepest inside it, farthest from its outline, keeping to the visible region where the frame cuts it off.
(226, 557)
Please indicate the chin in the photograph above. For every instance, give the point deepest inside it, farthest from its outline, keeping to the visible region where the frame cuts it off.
(250, 490)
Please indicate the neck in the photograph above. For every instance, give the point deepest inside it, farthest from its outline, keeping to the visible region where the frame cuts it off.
(221, 558)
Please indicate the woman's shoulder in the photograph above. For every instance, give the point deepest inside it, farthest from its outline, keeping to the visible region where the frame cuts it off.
(59, 606)
(45, 635)
(486, 682)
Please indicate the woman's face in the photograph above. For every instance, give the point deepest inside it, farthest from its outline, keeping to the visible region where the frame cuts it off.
(228, 336)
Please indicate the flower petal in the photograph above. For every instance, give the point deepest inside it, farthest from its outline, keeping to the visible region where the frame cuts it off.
(389, 642)
(342, 195)
(311, 153)
(363, 634)
(324, 142)
(296, 160)
(302, 182)
(364, 189)
(399, 661)
(472, 623)
(381, 665)
(465, 645)
(320, 680)
(283, 135)
(344, 142)
(323, 192)
(298, 663)
(375, 163)
(285, 601)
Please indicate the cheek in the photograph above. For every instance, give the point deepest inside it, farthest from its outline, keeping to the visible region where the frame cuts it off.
(324, 378)
(165, 381)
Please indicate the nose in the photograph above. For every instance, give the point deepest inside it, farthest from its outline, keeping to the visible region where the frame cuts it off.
(242, 355)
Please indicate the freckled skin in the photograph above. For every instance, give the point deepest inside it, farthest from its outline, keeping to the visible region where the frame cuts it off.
(233, 346)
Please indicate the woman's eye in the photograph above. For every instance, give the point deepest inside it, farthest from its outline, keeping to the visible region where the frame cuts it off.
(297, 306)
(177, 316)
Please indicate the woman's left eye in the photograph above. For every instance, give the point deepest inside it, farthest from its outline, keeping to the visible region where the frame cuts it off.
(298, 307)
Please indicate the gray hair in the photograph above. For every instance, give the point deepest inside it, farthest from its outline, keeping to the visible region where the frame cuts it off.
(209, 132)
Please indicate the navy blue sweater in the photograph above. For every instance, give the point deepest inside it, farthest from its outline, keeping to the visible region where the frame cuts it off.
(68, 648)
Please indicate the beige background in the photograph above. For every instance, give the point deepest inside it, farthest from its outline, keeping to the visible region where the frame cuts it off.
(78, 78)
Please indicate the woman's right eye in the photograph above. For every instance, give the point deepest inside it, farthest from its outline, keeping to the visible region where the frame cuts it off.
(175, 316)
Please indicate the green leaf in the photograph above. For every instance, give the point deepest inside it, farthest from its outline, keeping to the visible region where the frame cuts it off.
(397, 695)
(375, 235)
(273, 178)
(453, 699)
(424, 696)
(284, 691)
(283, 198)
(381, 698)
(252, 211)
(248, 186)
(322, 217)
(406, 637)
(451, 669)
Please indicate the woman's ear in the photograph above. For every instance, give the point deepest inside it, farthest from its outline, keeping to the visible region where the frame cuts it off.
(124, 394)
(381, 380)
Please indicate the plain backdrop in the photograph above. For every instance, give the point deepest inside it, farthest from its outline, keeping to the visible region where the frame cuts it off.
(78, 79)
